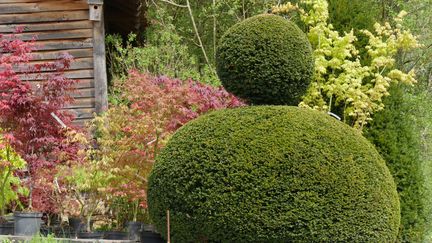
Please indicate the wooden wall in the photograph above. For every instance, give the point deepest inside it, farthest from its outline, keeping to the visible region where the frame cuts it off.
(64, 26)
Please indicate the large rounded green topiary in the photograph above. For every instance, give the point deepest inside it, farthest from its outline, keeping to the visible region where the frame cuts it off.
(265, 59)
(272, 174)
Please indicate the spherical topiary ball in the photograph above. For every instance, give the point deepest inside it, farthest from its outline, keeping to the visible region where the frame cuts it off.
(265, 59)
(272, 174)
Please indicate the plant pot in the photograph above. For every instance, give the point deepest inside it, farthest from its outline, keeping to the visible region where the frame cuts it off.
(115, 235)
(134, 230)
(46, 230)
(7, 228)
(76, 224)
(27, 224)
(150, 235)
(64, 232)
(91, 235)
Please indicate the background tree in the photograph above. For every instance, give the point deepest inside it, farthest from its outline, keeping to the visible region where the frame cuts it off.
(402, 131)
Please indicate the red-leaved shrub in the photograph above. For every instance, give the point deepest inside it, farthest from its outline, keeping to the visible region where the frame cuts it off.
(131, 134)
(27, 108)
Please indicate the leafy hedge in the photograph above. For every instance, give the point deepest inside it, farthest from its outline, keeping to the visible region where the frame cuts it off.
(265, 59)
(398, 139)
(272, 174)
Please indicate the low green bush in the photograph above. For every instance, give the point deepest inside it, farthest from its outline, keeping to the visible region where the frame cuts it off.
(265, 59)
(272, 174)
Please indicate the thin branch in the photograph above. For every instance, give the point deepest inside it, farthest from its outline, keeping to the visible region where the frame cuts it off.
(196, 32)
(418, 59)
(214, 29)
(175, 4)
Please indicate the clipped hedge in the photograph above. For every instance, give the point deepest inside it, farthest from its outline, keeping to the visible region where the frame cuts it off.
(265, 59)
(272, 174)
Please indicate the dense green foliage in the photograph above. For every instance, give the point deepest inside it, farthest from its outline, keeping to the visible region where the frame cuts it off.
(394, 133)
(272, 174)
(347, 15)
(10, 185)
(202, 23)
(164, 52)
(265, 60)
(402, 132)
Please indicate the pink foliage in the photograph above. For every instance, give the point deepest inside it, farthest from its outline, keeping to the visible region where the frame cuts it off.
(174, 101)
(156, 108)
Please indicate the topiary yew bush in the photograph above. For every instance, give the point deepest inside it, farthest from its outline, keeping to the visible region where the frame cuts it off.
(265, 59)
(272, 174)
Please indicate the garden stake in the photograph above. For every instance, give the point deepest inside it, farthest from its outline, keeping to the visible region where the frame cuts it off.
(168, 226)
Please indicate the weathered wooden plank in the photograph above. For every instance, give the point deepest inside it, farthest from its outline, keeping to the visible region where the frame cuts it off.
(80, 122)
(25, 1)
(100, 74)
(53, 55)
(81, 63)
(75, 74)
(77, 64)
(81, 24)
(60, 5)
(82, 103)
(82, 113)
(81, 84)
(64, 44)
(44, 17)
(84, 93)
(55, 35)
(84, 83)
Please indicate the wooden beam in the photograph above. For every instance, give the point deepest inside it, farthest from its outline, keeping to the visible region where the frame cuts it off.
(100, 74)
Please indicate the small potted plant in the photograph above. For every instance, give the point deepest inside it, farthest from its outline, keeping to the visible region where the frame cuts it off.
(119, 213)
(10, 184)
(134, 227)
(87, 181)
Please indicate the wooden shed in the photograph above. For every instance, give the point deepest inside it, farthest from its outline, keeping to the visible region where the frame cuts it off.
(73, 26)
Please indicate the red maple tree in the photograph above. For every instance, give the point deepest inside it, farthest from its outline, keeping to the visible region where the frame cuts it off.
(28, 108)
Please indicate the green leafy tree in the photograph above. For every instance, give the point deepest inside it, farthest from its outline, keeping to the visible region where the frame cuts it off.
(401, 132)
(163, 53)
(202, 22)
(342, 83)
